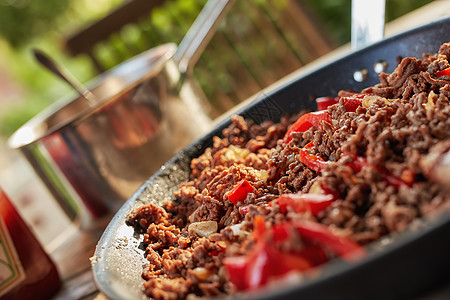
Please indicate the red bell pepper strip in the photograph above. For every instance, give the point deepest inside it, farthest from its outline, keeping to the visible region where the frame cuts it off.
(320, 234)
(314, 203)
(306, 121)
(265, 261)
(324, 102)
(269, 262)
(261, 264)
(396, 181)
(240, 191)
(353, 102)
(314, 253)
(259, 228)
(236, 268)
(314, 162)
(406, 179)
(445, 72)
(358, 164)
(309, 146)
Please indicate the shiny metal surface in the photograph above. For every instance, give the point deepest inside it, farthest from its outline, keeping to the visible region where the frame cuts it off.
(93, 158)
(368, 19)
(200, 33)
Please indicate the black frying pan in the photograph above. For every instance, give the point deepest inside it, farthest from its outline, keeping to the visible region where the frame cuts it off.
(413, 263)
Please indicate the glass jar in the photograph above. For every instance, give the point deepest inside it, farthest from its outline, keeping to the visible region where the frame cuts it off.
(26, 270)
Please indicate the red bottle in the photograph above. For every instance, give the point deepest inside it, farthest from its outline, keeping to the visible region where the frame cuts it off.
(26, 270)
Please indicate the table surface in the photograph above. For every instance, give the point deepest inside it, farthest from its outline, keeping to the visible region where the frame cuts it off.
(72, 255)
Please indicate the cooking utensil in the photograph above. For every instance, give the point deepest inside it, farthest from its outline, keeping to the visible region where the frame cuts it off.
(367, 22)
(413, 262)
(93, 157)
(63, 74)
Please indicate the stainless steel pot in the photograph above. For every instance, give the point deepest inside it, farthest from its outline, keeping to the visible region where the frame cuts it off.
(92, 158)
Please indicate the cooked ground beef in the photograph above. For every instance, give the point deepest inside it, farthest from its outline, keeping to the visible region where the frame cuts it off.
(378, 166)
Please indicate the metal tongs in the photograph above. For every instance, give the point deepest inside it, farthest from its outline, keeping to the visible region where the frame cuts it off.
(368, 19)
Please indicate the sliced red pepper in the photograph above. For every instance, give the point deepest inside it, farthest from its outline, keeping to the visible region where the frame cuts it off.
(314, 203)
(407, 177)
(237, 269)
(265, 261)
(392, 180)
(323, 236)
(314, 162)
(319, 233)
(353, 102)
(281, 233)
(259, 228)
(324, 102)
(309, 146)
(358, 164)
(240, 191)
(314, 253)
(261, 264)
(395, 181)
(306, 121)
(445, 72)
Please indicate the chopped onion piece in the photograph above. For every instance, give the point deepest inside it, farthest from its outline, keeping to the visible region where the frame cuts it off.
(204, 228)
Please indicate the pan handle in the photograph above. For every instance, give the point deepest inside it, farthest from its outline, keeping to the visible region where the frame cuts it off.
(368, 18)
(200, 33)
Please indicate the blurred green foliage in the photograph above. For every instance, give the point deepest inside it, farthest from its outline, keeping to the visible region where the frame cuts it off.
(42, 24)
(167, 23)
(21, 20)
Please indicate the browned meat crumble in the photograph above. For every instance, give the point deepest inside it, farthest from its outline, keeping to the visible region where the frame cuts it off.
(399, 132)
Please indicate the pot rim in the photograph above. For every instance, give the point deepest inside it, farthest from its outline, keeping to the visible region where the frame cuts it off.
(132, 70)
